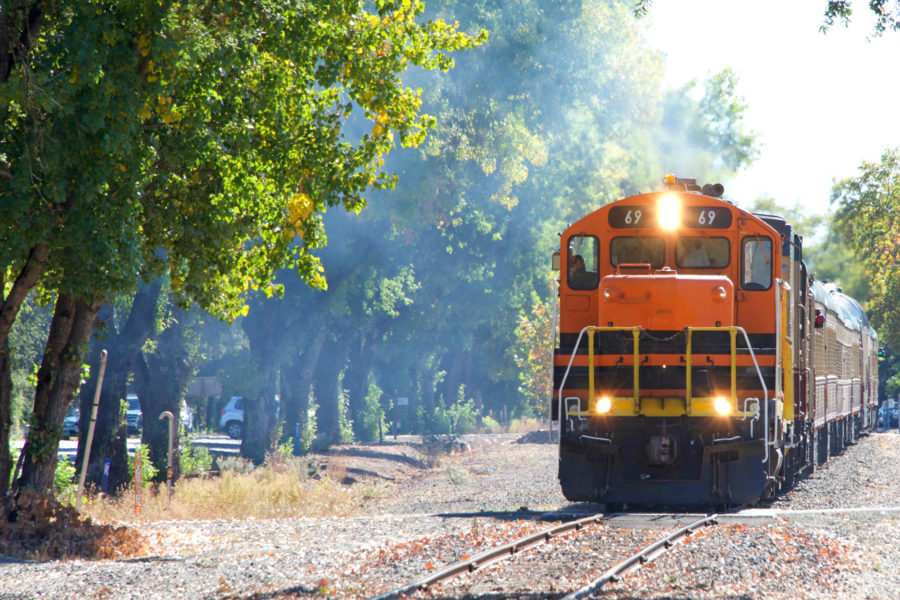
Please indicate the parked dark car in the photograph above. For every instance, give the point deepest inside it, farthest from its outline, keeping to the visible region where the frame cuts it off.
(133, 416)
(70, 423)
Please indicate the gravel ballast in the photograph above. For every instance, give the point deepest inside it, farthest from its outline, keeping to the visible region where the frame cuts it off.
(818, 541)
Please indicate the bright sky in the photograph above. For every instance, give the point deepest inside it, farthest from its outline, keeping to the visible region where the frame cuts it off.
(820, 103)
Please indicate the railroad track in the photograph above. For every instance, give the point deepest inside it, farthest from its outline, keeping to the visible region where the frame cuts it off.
(499, 553)
(640, 558)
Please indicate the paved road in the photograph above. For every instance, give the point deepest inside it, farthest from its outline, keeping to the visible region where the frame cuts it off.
(215, 442)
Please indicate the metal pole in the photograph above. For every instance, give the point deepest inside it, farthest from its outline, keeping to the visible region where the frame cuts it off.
(90, 433)
(168, 415)
(138, 481)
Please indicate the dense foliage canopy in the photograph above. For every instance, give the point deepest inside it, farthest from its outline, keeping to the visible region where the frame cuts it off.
(440, 292)
(868, 217)
(203, 141)
(835, 11)
(197, 139)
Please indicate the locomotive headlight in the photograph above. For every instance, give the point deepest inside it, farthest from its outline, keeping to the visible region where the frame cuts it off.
(720, 294)
(668, 212)
(722, 405)
(604, 403)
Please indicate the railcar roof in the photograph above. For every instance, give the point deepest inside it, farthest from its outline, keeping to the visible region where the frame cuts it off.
(848, 310)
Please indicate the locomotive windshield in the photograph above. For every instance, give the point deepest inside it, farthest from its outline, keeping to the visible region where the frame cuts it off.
(637, 250)
(702, 252)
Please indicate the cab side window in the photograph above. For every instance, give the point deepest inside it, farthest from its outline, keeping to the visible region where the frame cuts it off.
(583, 257)
(756, 263)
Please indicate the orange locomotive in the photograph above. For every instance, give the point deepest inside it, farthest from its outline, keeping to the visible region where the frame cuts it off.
(697, 362)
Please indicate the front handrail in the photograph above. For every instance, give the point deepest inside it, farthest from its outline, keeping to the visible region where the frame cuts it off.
(636, 331)
(689, 353)
(733, 331)
(762, 382)
(590, 329)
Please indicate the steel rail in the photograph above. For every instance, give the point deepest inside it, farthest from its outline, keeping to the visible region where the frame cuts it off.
(489, 557)
(642, 557)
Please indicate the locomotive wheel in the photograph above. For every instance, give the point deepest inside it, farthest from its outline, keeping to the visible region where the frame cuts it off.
(768, 490)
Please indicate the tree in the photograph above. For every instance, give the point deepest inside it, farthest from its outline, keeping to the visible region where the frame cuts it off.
(192, 138)
(835, 10)
(534, 355)
(162, 373)
(426, 286)
(842, 10)
(122, 333)
(573, 124)
(703, 130)
(868, 218)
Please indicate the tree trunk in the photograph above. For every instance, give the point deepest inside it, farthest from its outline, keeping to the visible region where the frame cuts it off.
(161, 380)
(259, 436)
(453, 378)
(357, 380)
(298, 380)
(328, 416)
(57, 381)
(110, 433)
(9, 309)
(260, 419)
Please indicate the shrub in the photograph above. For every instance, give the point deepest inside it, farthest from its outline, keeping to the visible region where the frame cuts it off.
(236, 464)
(490, 425)
(64, 482)
(371, 419)
(148, 469)
(195, 460)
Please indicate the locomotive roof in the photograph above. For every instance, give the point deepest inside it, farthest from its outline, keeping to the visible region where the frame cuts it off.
(652, 196)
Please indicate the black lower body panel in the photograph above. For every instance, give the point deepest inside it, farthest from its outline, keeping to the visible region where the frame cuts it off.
(727, 474)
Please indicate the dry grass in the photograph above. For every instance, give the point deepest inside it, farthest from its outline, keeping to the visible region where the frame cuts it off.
(280, 489)
(336, 469)
(527, 425)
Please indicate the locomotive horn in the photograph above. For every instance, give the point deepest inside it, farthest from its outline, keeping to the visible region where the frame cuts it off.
(714, 190)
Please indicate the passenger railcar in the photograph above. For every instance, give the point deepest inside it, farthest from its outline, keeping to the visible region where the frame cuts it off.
(697, 361)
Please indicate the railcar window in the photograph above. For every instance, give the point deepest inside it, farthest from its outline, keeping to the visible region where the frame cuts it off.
(756, 263)
(702, 252)
(641, 250)
(584, 257)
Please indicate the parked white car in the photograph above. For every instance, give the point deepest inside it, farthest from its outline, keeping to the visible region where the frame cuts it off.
(232, 419)
(187, 417)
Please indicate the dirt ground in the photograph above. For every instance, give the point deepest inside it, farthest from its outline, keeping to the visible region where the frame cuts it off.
(473, 473)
